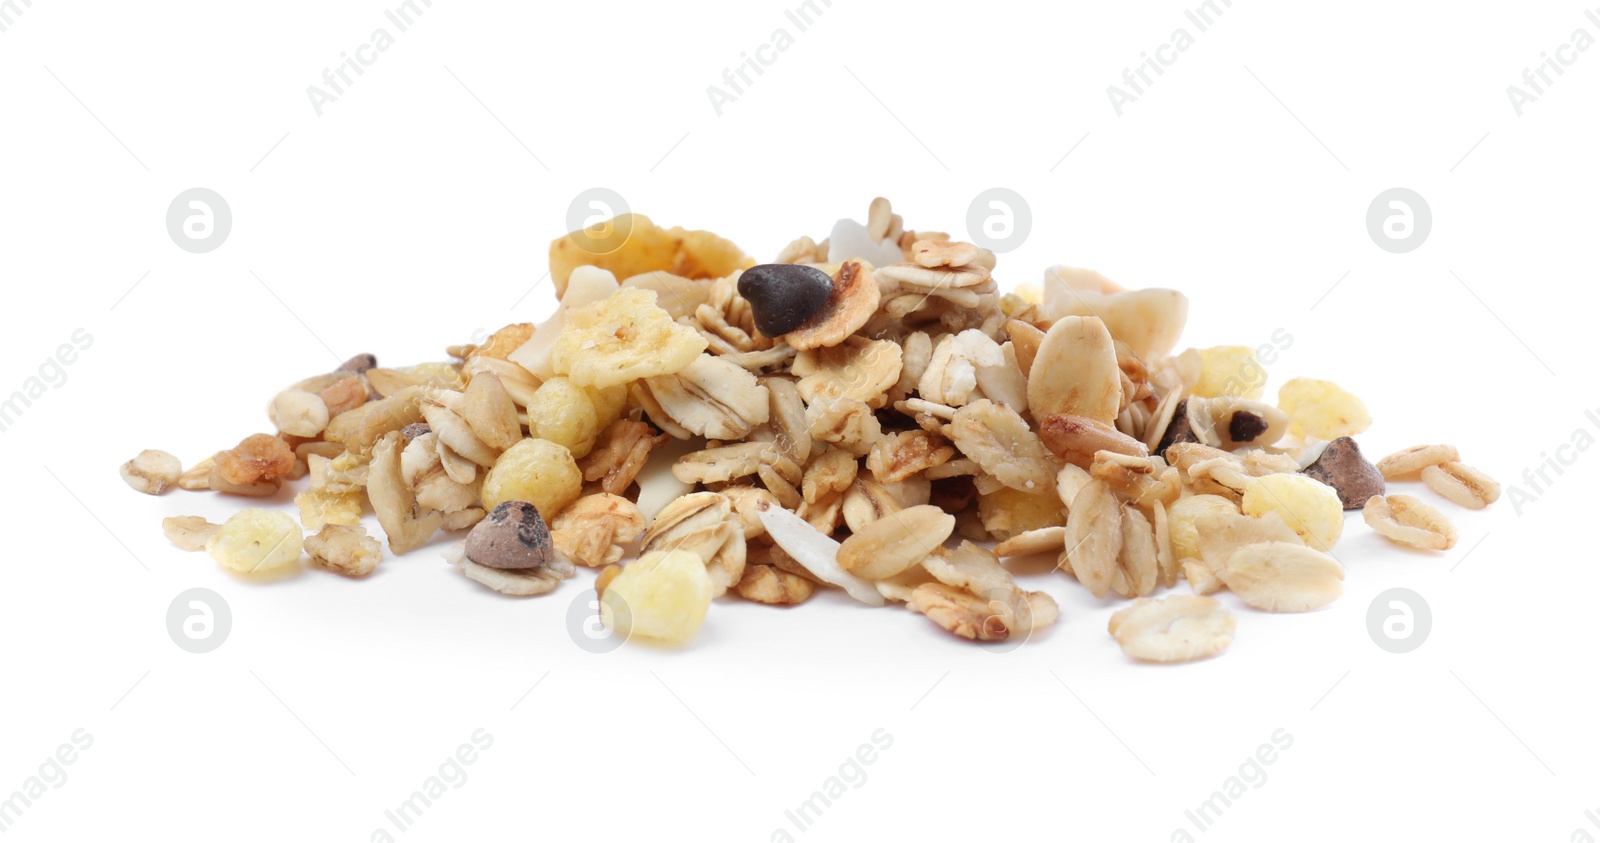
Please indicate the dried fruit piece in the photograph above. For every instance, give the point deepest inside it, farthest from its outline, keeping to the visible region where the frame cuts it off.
(259, 458)
(1230, 371)
(1182, 518)
(1075, 372)
(189, 532)
(662, 595)
(851, 302)
(891, 545)
(1310, 508)
(344, 549)
(631, 244)
(1409, 521)
(1462, 484)
(1283, 577)
(1414, 459)
(621, 339)
(534, 470)
(152, 472)
(1173, 629)
(254, 541)
(1342, 467)
(320, 507)
(1322, 409)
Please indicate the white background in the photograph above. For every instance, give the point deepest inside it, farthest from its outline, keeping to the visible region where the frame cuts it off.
(417, 209)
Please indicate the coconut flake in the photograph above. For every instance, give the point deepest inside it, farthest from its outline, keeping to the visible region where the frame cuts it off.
(816, 552)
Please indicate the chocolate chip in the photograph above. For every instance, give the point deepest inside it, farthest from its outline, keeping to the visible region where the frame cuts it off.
(1245, 426)
(413, 430)
(1342, 466)
(1178, 430)
(358, 364)
(783, 295)
(514, 537)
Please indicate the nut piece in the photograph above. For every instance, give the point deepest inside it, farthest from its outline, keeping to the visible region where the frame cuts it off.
(1075, 372)
(1342, 467)
(1414, 459)
(851, 302)
(299, 413)
(592, 531)
(1462, 484)
(254, 541)
(890, 545)
(662, 595)
(1283, 577)
(1077, 439)
(189, 532)
(1173, 629)
(345, 550)
(513, 537)
(152, 472)
(1409, 521)
(766, 584)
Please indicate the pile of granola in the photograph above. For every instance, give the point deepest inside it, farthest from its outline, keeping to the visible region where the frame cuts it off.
(869, 413)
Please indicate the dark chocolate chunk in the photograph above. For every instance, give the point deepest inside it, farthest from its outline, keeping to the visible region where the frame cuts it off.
(1178, 430)
(783, 295)
(1245, 426)
(358, 364)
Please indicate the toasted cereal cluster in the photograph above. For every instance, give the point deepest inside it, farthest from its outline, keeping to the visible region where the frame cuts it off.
(869, 413)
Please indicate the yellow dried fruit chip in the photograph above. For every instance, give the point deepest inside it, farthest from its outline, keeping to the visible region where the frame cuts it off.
(563, 413)
(1230, 371)
(321, 507)
(663, 595)
(1181, 518)
(1009, 512)
(622, 339)
(630, 244)
(1322, 409)
(1311, 509)
(534, 470)
(255, 541)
